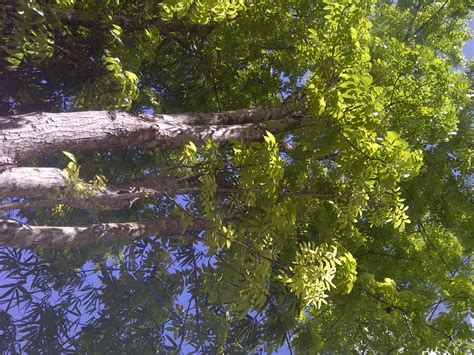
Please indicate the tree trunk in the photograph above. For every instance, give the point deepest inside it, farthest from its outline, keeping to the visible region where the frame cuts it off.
(17, 235)
(36, 134)
(52, 187)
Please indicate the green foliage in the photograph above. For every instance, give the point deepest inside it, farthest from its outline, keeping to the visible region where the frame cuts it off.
(201, 11)
(31, 38)
(352, 233)
(312, 274)
(346, 273)
(78, 186)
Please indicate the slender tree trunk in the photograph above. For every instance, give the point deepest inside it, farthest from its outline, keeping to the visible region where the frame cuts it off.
(36, 134)
(17, 235)
(51, 186)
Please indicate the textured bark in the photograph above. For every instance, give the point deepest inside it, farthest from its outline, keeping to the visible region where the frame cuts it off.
(32, 182)
(236, 117)
(35, 134)
(6, 163)
(18, 235)
(52, 187)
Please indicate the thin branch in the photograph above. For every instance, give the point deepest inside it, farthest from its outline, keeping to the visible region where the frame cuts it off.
(183, 328)
(425, 236)
(431, 18)
(358, 149)
(418, 8)
(287, 338)
(388, 255)
(253, 251)
(448, 337)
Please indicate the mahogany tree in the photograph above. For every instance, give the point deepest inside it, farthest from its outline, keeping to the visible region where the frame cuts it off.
(235, 176)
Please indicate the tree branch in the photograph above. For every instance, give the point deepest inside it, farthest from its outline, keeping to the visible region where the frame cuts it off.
(431, 18)
(18, 235)
(51, 187)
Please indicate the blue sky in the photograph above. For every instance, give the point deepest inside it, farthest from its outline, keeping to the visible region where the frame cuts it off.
(468, 48)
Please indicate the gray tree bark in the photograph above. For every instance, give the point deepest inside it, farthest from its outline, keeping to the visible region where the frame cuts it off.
(19, 235)
(36, 134)
(51, 186)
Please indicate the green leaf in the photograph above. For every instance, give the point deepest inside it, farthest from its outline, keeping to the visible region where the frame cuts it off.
(70, 156)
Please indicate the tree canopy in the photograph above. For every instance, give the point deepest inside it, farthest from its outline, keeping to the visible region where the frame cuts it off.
(234, 176)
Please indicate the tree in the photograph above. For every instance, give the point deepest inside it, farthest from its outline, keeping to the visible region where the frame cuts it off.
(321, 198)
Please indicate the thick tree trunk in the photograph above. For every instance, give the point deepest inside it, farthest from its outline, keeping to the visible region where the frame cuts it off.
(52, 187)
(35, 134)
(17, 235)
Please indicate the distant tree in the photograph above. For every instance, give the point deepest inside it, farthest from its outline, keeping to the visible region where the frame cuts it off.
(229, 176)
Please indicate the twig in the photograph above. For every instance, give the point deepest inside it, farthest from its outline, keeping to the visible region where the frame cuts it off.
(288, 343)
(431, 18)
